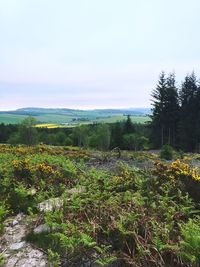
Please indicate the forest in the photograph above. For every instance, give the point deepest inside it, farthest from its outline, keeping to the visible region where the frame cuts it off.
(102, 136)
(175, 121)
(176, 113)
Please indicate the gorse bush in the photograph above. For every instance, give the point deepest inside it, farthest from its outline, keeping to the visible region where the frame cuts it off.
(26, 176)
(184, 177)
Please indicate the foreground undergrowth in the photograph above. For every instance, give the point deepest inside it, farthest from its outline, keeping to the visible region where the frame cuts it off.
(124, 217)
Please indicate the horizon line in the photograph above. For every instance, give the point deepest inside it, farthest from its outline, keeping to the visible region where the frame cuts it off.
(94, 108)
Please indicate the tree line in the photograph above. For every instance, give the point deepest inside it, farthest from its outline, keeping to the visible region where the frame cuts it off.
(175, 120)
(176, 113)
(123, 134)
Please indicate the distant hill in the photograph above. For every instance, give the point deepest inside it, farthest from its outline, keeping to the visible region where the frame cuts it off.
(66, 111)
(71, 116)
(38, 111)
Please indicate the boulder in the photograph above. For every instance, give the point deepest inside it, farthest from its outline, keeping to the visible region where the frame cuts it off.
(42, 228)
(58, 202)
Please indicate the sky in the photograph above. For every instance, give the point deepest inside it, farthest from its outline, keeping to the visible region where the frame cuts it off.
(89, 54)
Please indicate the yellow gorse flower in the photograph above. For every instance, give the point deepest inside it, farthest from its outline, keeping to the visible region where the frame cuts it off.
(47, 169)
(177, 169)
(183, 169)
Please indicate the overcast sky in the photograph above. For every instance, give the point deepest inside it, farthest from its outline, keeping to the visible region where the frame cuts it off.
(93, 53)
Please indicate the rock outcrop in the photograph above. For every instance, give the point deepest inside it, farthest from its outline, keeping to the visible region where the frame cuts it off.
(15, 251)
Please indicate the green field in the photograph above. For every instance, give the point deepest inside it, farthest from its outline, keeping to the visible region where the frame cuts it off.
(72, 120)
(11, 119)
(135, 119)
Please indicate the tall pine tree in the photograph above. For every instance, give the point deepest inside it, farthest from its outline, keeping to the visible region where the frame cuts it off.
(171, 110)
(189, 114)
(165, 111)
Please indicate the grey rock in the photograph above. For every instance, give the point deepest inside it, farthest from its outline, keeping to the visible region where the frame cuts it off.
(18, 246)
(76, 190)
(51, 204)
(17, 252)
(58, 202)
(42, 228)
(27, 258)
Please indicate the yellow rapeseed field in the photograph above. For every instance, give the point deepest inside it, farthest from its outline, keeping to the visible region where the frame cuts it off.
(47, 125)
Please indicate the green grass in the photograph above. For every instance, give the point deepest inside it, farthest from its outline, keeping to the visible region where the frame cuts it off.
(58, 119)
(11, 119)
(135, 119)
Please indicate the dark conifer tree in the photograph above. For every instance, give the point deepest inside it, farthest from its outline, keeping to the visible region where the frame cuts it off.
(165, 111)
(198, 119)
(189, 121)
(171, 110)
(157, 123)
(128, 126)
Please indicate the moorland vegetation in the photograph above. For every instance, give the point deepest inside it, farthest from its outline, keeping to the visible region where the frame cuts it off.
(135, 211)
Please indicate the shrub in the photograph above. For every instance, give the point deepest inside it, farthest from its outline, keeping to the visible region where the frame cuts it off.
(166, 152)
(21, 199)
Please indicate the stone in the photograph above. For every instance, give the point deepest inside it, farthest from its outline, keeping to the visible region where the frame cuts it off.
(58, 202)
(42, 228)
(18, 246)
(76, 190)
(50, 204)
(13, 248)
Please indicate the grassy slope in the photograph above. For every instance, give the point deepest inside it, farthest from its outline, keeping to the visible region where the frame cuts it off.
(54, 118)
(8, 118)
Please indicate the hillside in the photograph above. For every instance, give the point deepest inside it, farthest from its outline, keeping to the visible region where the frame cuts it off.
(98, 209)
(73, 116)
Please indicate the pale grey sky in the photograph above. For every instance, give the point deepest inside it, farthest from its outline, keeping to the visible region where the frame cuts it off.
(93, 53)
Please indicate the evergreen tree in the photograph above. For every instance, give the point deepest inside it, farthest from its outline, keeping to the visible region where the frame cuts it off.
(128, 126)
(172, 110)
(190, 113)
(198, 119)
(157, 124)
(165, 111)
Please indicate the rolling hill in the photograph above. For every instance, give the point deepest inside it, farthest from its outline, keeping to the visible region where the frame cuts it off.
(73, 116)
